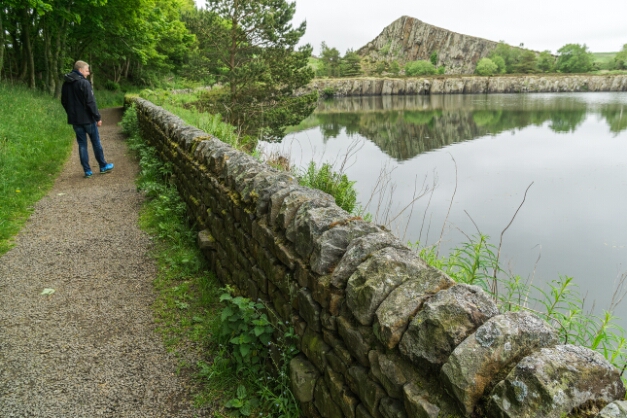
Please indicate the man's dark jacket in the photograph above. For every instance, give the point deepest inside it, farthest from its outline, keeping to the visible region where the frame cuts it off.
(77, 98)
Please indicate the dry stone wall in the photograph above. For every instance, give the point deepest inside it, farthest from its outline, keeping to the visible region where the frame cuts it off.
(468, 85)
(382, 334)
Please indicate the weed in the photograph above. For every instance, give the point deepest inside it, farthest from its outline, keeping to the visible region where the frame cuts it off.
(329, 181)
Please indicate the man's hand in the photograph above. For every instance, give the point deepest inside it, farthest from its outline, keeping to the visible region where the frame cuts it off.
(99, 123)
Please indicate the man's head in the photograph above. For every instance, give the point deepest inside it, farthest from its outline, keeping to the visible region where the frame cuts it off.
(82, 67)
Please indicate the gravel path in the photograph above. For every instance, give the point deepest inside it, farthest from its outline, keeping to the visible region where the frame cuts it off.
(90, 349)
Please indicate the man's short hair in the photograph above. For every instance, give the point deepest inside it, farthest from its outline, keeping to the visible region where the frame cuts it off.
(80, 64)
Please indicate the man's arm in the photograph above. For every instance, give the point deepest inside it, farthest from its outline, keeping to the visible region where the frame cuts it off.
(90, 100)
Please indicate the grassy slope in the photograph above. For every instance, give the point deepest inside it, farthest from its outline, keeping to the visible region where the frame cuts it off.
(35, 142)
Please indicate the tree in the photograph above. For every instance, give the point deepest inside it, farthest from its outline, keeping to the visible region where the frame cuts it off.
(527, 62)
(546, 62)
(350, 64)
(330, 58)
(620, 60)
(574, 58)
(252, 48)
(500, 64)
(395, 68)
(419, 67)
(486, 67)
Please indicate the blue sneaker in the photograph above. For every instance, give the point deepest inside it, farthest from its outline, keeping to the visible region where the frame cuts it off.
(88, 174)
(106, 168)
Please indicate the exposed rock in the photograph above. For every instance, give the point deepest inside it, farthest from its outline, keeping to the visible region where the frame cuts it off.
(392, 371)
(392, 408)
(491, 352)
(313, 346)
(616, 409)
(398, 309)
(369, 392)
(376, 278)
(445, 321)
(340, 393)
(332, 244)
(309, 309)
(359, 341)
(554, 381)
(358, 250)
(303, 378)
(312, 219)
(409, 39)
(324, 403)
(417, 405)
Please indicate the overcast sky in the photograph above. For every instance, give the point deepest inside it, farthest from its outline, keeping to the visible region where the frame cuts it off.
(539, 24)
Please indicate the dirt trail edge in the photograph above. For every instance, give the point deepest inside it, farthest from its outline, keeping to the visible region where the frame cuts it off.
(89, 349)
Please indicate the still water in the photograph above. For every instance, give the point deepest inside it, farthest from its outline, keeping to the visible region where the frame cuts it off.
(473, 157)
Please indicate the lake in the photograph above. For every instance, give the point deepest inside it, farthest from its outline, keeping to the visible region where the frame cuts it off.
(471, 158)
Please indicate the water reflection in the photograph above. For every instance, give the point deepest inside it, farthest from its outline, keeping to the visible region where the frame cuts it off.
(405, 126)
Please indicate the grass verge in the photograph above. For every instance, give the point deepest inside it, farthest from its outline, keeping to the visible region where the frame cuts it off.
(35, 142)
(221, 338)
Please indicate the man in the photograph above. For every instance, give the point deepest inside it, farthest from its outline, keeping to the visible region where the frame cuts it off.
(77, 98)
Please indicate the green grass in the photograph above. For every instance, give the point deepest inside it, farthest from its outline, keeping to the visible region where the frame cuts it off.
(35, 142)
(603, 57)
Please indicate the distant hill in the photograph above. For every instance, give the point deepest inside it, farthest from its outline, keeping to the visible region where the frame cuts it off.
(409, 39)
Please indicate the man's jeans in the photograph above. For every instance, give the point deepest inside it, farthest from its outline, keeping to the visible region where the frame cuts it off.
(81, 137)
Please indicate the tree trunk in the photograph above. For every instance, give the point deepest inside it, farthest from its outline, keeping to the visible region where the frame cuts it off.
(28, 49)
(1, 43)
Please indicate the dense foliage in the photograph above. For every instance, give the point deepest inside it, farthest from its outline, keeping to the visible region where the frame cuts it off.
(138, 40)
(420, 68)
(332, 64)
(486, 66)
(574, 58)
(250, 48)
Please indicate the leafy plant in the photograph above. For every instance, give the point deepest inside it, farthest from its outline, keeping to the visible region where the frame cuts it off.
(336, 184)
(486, 67)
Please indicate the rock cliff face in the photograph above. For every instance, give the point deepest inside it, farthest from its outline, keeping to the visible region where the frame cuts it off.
(409, 39)
(469, 85)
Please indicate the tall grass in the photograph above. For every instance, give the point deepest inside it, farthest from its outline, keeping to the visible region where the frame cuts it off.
(559, 302)
(35, 142)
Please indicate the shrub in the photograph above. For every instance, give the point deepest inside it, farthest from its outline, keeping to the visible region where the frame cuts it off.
(574, 58)
(111, 85)
(486, 67)
(328, 92)
(434, 58)
(546, 62)
(395, 68)
(500, 63)
(420, 67)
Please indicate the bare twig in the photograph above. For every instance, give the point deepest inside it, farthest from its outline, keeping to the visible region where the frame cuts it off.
(498, 254)
(435, 179)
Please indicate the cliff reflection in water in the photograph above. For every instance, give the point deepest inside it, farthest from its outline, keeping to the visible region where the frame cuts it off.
(405, 126)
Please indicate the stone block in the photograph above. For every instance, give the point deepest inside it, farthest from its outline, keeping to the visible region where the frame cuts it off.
(335, 363)
(553, 381)
(392, 371)
(358, 250)
(303, 378)
(293, 201)
(358, 344)
(206, 241)
(328, 321)
(376, 278)
(309, 309)
(395, 312)
(312, 219)
(275, 204)
(370, 393)
(321, 289)
(616, 409)
(485, 357)
(314, 347)
(332, 244)
(392, 408)
(324, 403)
(340, 393)
(417, 405)
(444, 322)
(362, 412)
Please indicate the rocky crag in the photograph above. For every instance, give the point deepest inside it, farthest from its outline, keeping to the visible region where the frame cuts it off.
(409, 39)
(468, 85)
